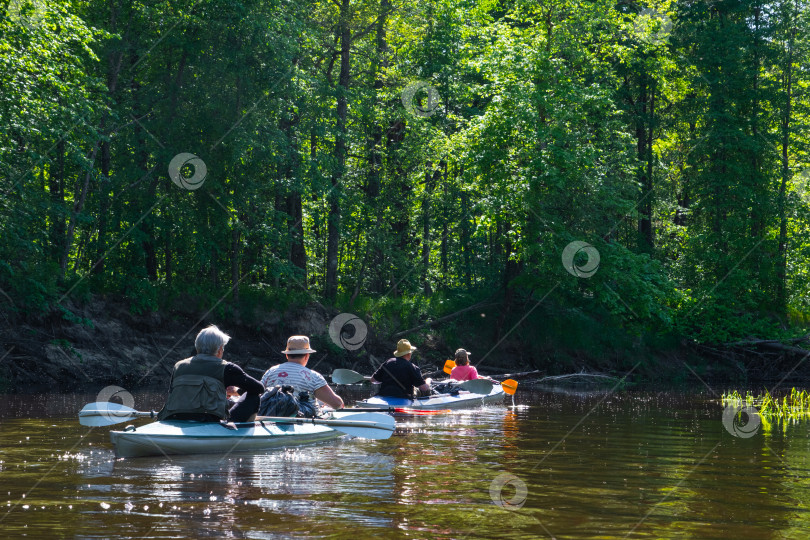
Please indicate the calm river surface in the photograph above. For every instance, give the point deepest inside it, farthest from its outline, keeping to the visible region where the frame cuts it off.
(586, 465)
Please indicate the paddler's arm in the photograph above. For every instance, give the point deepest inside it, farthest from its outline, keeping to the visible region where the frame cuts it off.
(376, 377)
(235, 376)
(326, 395)
(424, 390)
(421, 384)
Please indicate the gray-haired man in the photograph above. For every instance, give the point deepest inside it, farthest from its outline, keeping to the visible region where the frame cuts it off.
(197, 390)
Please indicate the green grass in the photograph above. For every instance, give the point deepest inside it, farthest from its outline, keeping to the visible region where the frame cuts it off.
(774, 411)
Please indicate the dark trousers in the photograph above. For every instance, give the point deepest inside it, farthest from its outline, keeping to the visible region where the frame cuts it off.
(246, 406)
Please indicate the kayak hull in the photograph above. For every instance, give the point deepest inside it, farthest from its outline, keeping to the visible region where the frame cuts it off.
(464, 400)
(187, 437)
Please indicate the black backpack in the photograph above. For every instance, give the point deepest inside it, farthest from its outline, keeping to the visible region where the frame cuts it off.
(278, 401)
(446, 388)
(306, 406)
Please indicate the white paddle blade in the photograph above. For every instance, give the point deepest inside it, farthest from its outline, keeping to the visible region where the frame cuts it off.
(365, 425)
(346, 376)
(107, 413)
(477, 386)
(100, 421)
(384, 421)
(365, 432)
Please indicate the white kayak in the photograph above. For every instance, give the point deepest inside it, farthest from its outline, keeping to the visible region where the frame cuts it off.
(187, 437)
(462, 400)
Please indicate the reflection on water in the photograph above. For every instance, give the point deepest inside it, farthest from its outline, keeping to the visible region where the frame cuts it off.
(656, 465)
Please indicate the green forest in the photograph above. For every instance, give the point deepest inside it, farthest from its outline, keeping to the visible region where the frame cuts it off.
(594, 173)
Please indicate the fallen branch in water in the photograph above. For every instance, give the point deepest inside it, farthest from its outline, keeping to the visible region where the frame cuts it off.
(771, 346)
(581, 374)
(518, 375)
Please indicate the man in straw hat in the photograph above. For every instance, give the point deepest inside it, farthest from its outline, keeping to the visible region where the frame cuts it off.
(295, 373)
(398, 376)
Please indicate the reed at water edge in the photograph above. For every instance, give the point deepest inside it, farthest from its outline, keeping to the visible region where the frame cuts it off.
(774, 411)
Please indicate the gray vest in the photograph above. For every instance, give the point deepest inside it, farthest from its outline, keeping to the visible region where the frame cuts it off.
(197, 387)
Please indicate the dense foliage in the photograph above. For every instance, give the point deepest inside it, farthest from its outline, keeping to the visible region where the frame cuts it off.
(416, 157)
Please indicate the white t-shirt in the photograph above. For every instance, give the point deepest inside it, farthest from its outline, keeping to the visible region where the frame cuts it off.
(299, 377)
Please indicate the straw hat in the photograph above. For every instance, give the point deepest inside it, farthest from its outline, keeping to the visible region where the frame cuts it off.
(298, 345)
(404, 347)
(462, 353)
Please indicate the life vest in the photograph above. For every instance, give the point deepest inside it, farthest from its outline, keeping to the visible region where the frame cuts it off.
(197, 388)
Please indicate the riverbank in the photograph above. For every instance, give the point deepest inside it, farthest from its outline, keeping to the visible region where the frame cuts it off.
(101, 342)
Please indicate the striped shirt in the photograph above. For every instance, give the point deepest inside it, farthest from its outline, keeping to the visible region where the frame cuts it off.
(299, 377)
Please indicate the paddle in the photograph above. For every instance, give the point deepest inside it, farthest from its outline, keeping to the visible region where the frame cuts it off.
(509, 386)
(448, 366)
(401, 411)
(369, 425)
(347, 376)
(107, 413)
(477, 386)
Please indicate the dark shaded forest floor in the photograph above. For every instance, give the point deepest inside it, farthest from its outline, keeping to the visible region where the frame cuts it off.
(83, 347)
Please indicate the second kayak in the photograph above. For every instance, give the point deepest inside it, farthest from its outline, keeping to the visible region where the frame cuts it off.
(462, 400)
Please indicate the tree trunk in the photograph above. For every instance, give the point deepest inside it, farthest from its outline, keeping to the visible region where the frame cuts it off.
(644, 113)
(684, 198)
(298, 253)
(56, 182)
(430, 181)
(114, 61)
(167, 251)
(104, 194)
(294, 205)
(786, 126)
(316, 222)
(146, 226)
(465, 240)
(445, 232)
(510, 272)
(375, 141)
(235, 237)
(333, 222)
(78, 205)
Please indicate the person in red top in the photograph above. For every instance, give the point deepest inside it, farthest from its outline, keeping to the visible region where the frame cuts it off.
(463, 370)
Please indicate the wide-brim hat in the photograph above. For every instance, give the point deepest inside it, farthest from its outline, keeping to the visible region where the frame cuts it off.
(298, 345)
(462, 353)
(404, 347)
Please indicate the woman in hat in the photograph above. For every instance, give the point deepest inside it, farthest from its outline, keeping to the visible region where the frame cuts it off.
(463, 370)
(398, 376)
(295, 373)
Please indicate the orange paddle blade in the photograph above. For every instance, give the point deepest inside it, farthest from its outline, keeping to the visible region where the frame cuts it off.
(448, 366)
(509, 386)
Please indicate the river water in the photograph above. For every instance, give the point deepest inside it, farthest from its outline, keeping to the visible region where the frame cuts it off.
(557, 465)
